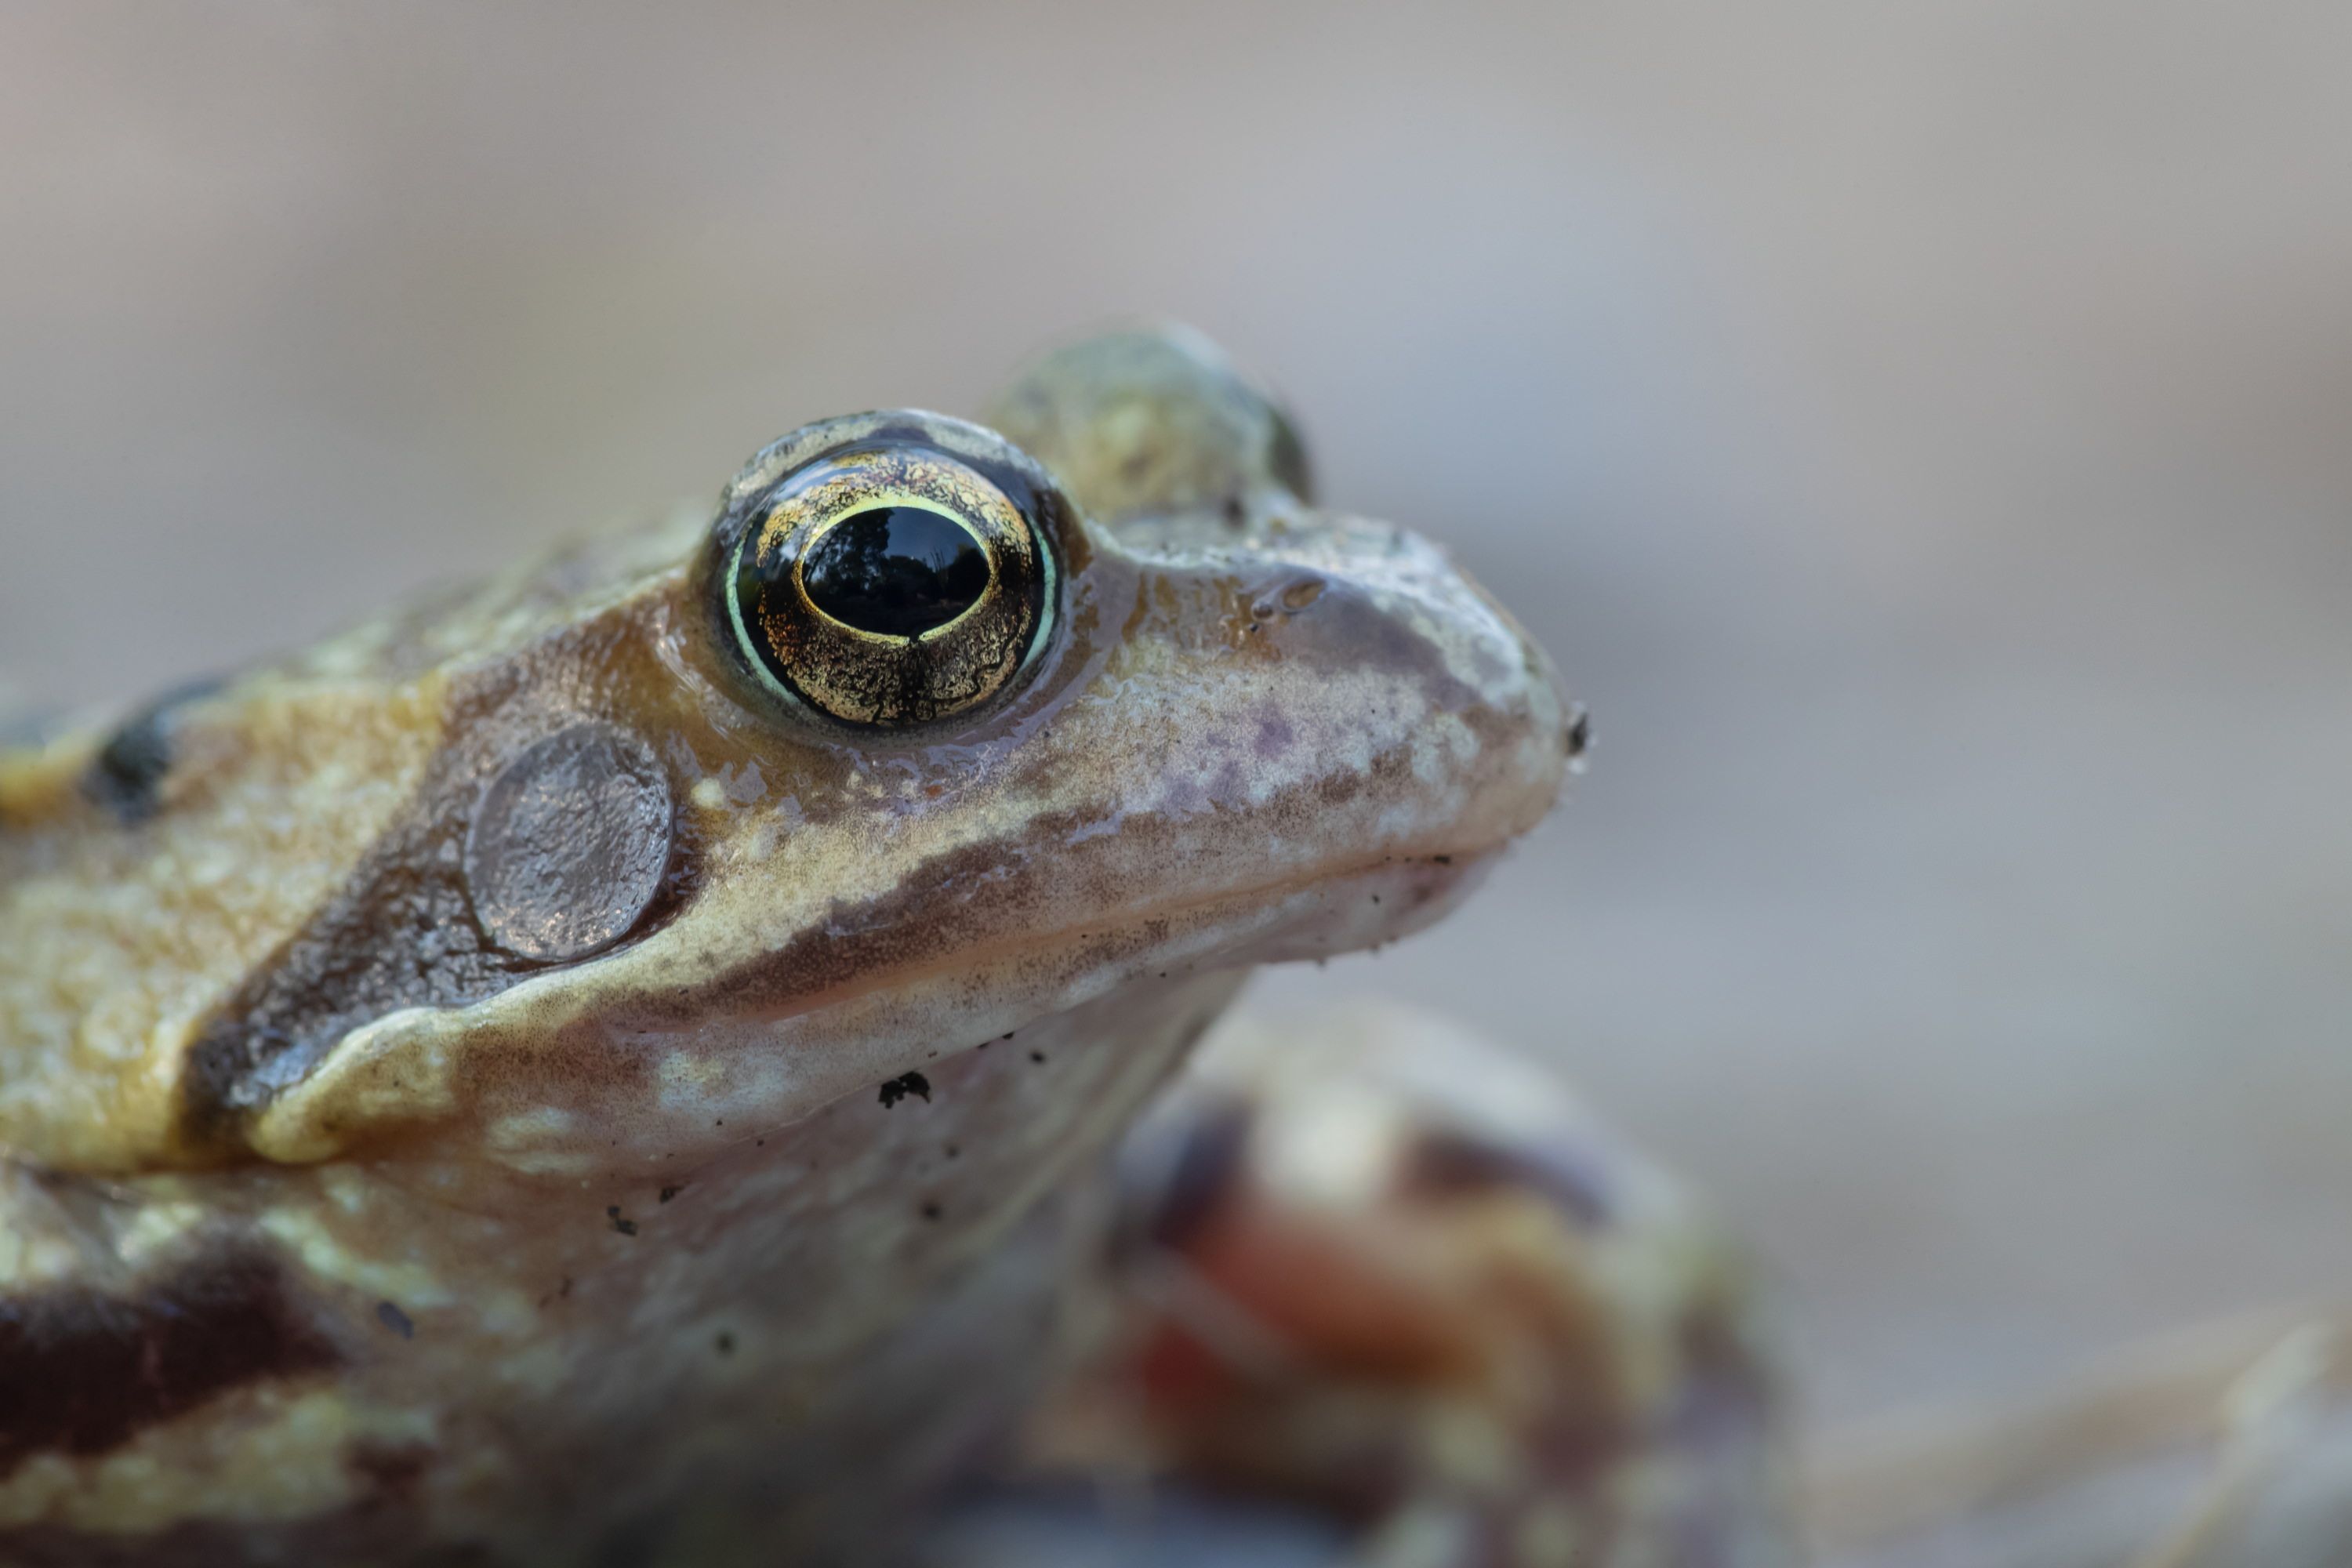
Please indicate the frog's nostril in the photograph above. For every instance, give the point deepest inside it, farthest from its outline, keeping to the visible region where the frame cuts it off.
(1276, 604)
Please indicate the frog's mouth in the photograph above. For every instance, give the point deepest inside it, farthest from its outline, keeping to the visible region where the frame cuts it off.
(859, 1004)
(849, 1008)
(1338, 910)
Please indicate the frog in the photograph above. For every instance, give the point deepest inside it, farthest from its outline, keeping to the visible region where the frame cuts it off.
(637, 1058)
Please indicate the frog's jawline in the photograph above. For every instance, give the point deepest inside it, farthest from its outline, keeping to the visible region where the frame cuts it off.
(819, 969)
(774, 1052)
(901, 1009)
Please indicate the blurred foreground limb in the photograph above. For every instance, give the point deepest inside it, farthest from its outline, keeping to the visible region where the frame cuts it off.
(2229, 1446)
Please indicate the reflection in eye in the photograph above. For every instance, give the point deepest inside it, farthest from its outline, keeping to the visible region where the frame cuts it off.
(890, 585)
(896, 571)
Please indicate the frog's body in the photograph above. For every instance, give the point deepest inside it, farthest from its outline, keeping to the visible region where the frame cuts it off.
(519, 1083)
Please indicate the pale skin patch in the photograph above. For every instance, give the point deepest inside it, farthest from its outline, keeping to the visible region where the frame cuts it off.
(30, 1262)
(323, 1253)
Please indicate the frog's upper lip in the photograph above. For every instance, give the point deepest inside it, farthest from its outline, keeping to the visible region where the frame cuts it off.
(1272, 921)
(1044, 900)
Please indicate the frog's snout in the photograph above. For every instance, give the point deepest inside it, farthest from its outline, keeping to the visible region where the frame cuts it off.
(1346, 687)
(1381, 737)
(1359, 705)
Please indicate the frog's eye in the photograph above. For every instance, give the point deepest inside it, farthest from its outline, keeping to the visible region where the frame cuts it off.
(890, 584)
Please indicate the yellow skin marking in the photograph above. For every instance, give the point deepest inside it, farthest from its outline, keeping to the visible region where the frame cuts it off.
(624, 1249)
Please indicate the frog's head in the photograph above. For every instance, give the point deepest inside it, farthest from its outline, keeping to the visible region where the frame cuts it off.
(938, 730)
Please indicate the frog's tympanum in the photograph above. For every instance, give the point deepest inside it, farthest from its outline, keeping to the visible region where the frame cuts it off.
(620, 1064)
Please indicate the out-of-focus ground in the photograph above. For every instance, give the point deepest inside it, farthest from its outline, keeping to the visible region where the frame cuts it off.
(1920, 432)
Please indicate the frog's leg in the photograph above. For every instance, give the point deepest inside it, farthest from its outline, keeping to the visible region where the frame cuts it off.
(1391, 1276)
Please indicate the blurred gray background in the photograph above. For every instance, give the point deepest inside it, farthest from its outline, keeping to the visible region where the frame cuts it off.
(1920, 431)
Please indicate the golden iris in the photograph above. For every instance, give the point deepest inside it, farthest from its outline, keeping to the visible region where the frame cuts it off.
(890, 585)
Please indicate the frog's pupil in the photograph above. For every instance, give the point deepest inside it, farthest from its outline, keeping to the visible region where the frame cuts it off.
(895, 571)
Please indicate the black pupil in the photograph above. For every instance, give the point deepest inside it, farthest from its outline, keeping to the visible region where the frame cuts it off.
(895, 571)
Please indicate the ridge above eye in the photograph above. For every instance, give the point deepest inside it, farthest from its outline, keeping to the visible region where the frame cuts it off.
(889, 583)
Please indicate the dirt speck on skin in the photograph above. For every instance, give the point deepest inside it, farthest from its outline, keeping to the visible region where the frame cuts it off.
(912, 1084)
(398, 1321)
(625, 1227)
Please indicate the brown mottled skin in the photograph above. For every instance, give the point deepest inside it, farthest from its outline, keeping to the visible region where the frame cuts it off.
(331, 1229)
